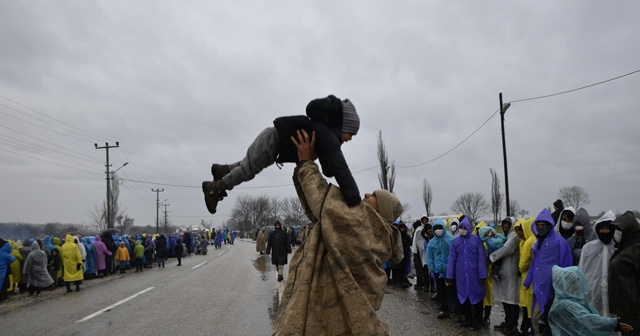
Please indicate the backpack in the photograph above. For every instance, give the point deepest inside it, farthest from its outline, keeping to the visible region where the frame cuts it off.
(326, 110)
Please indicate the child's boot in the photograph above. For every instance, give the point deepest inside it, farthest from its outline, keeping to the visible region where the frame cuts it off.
(213, 193)
(218, 171)
(77, 286)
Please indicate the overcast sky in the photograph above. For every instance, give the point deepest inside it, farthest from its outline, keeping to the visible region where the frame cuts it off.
(183, 84)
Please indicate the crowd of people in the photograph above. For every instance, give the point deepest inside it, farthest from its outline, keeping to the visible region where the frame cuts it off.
(556, 274)
(33, 265)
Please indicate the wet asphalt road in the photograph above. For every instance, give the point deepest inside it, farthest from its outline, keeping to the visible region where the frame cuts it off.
(229, 291)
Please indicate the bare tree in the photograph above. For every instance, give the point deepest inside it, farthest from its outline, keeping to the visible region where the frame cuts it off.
(387, 175)
(514, 206)
(405, 216)
(427, 196)
(124, 224)
(496, 196)
(293, 212)
(98, 215)
(574, 196)
(523, 213)
(471, 204)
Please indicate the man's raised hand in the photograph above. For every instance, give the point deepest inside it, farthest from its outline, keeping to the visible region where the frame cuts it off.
(305, 146)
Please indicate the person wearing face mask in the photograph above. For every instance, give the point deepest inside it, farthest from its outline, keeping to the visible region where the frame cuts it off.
(467, 266)
(453, 227)
(624, 271)
(594, 263)
(437, 256)
(417, 248)
(550, 249)
(429, 282)
(583, 234)
(565, 226)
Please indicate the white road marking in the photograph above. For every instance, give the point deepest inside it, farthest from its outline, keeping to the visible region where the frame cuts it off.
(200, 264)
(221, 253)
(114, 305)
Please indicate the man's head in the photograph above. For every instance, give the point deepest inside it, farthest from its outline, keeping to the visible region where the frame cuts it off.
(506, 225)
(543, 228)
(350, 119)
(424, 219)
(557, 205)
(385, 203)
(518, 230)
(277, 225)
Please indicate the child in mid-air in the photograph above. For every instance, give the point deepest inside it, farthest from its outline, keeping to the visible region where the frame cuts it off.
(494, 241)
(333, 120)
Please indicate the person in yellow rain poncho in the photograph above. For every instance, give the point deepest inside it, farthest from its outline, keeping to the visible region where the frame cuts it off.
(336, 282)
(72, 263)
(16, 272)
(488, 284)
(527, 239)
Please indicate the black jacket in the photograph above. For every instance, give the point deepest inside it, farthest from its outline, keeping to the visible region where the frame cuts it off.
(278, 242)
(624, 273)
(328, 148)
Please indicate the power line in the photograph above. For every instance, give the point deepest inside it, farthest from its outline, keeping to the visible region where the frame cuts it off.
(59, 121)
(55, 163)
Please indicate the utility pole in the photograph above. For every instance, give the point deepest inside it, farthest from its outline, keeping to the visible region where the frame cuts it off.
(503, 109)
(108, 215)
(157, 191)
(165, 216)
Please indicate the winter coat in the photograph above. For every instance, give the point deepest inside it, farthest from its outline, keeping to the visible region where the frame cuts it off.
(279, 244)
(328, 148)
(138, 251)
(577, 242)
(35, 268)
(161, 246)
(554, 250)
(71, 258)
(437, 254)
(101, 252)
(261, 240)
(338, 283)
(56, 245)
(5, 260)
(467, 265)
(594, 263)
(508, 289)
(624, 273)
(571, 313)
(123, 253)
(526, 256)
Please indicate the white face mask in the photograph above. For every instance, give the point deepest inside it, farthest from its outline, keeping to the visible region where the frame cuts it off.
(579, 227)
(617, 236)
(463, 232)
(438, 232)
(454, 228)
(565, 225)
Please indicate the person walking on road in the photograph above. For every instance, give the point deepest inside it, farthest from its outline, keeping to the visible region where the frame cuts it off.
(261, 240)
(278, 242)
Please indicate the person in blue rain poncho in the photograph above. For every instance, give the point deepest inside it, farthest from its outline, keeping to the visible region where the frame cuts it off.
(550, 249)
(467, 266)
(437, 256)
(90, 262)
(571, 313)
(5, 260)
